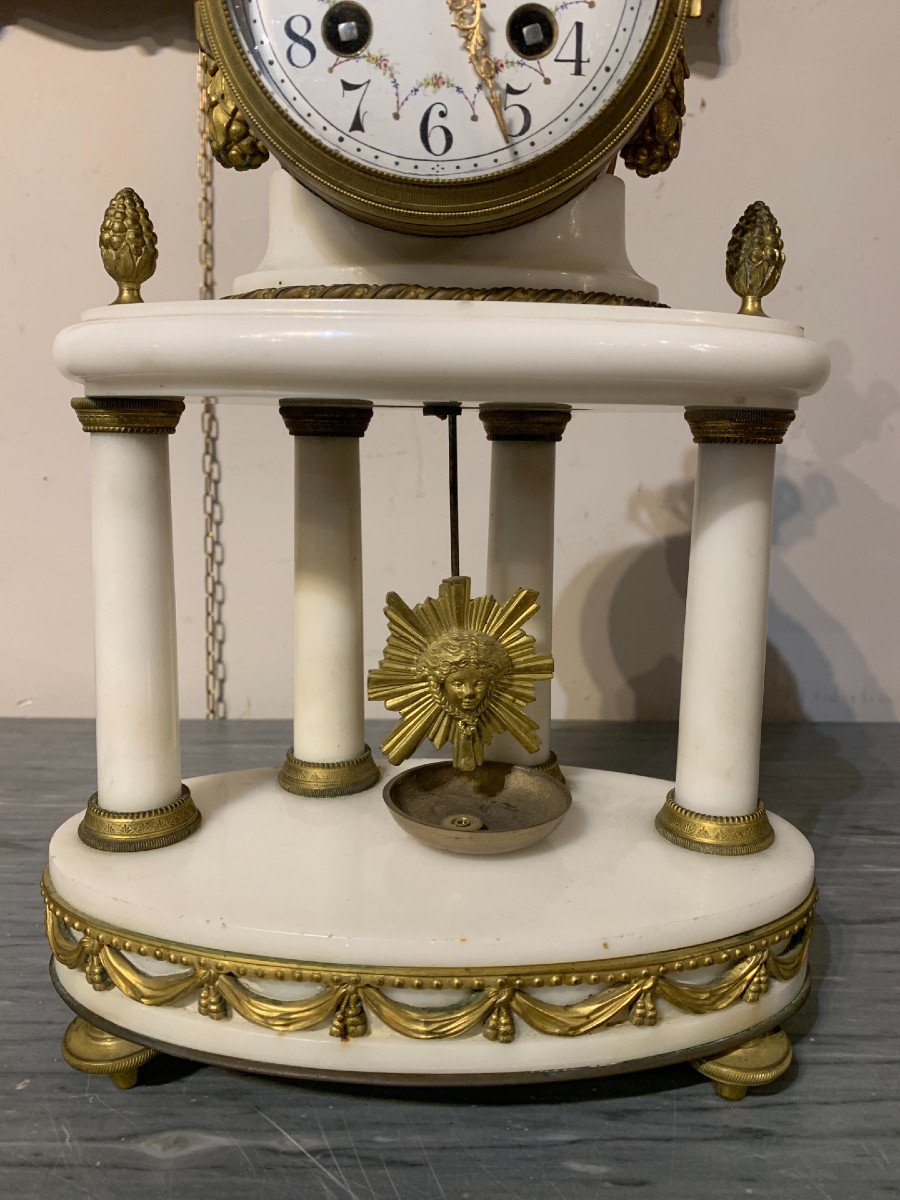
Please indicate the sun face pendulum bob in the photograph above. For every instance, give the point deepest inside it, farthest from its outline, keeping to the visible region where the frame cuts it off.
(461, 670)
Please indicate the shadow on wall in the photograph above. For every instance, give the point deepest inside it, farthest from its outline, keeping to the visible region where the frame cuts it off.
(107, 24)
(705, 42)
(865, 532)
(632, 658)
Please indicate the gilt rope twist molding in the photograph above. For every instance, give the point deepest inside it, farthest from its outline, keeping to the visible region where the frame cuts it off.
(628, 989)
(418, 291)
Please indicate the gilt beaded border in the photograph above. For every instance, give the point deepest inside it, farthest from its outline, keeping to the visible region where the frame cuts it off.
(572, 974)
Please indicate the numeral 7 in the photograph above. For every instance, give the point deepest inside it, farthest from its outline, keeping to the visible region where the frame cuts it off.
(356, 125)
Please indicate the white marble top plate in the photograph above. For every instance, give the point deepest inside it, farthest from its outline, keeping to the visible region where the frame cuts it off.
(387, 351)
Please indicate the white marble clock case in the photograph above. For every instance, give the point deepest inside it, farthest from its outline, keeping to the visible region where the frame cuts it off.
(333, 887)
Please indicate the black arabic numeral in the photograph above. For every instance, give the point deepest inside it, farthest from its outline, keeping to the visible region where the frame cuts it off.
(578, 61)
(508, 108)
(427, 130)
(299, 39)
(356, 125)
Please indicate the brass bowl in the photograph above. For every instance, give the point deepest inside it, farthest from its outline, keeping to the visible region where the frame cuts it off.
(496, 808)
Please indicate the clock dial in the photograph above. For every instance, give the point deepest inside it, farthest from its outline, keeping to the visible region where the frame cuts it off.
(444, 100)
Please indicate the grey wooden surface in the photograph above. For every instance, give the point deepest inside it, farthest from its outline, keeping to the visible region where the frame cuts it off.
(829, 1129)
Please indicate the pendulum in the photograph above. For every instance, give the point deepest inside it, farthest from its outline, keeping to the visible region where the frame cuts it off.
(461, 670)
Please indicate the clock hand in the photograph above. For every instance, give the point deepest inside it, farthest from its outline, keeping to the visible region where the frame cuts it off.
(467, 19)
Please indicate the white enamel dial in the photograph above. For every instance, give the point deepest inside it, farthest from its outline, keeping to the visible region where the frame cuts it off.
(396, 87)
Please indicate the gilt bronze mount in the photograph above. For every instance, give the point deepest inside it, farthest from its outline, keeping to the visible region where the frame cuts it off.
(149, 829)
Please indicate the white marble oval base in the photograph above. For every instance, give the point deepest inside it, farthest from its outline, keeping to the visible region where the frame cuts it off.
(338, 882)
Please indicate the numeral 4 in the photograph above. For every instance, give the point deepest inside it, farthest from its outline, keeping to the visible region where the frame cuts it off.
(577, 60)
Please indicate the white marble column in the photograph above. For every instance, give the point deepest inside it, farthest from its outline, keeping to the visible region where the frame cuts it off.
(329, 756)
(135, 655)
(724, 656)
(521, 537)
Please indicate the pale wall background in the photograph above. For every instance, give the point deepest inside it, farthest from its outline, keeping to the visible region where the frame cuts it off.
(791, 103)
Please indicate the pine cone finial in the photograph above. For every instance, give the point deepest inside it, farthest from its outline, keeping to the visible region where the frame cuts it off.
(128, 245)
(754, 258)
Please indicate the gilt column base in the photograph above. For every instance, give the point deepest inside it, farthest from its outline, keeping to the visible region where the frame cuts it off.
(328, 779)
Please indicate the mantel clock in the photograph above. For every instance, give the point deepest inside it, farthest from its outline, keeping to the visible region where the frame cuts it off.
(495, 915)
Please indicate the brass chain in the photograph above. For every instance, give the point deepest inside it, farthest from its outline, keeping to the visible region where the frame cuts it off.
(213, 550)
